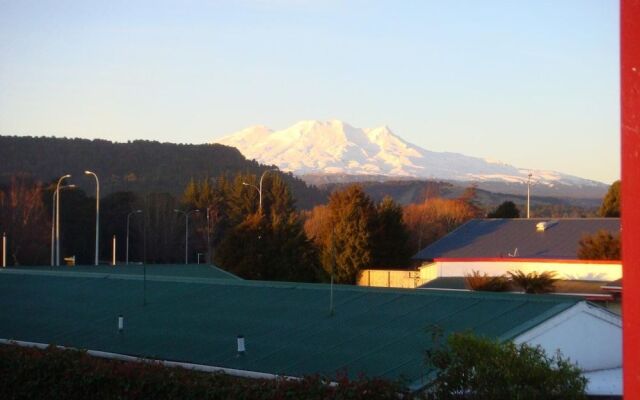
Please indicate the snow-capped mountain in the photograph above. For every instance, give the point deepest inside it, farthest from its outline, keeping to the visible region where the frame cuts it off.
(334, 147)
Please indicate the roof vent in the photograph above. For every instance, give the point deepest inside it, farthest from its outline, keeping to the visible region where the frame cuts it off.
(543, 226)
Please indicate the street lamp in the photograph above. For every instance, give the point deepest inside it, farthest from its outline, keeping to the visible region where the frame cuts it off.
(128, 216)
(528, 193)
(259, 193)
(58, 217)
(54, 200)
(97, 211)
(186, 232)
(259, 189)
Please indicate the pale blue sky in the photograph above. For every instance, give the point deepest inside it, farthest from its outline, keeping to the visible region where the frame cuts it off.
(532, 83)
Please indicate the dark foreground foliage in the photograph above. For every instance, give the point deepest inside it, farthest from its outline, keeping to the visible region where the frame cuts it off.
(29, 373)
(475, 368)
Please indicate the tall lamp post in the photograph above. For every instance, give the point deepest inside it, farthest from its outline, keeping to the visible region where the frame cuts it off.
(528, 193)
(97, 211)
(62, 178)
(54, 201)
(186, 232)
(259, 189)
(129, 216)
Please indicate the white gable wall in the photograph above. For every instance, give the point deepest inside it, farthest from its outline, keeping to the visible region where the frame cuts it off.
(587, 334)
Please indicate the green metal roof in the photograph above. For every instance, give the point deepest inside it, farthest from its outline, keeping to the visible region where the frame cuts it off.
(170, 272)
(288, 330)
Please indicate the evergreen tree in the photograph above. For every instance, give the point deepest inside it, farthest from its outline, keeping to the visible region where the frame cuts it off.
(277, 200)
(198, 194)
(207, 194)
(164, 232)
(294, 256)
(191, 194)
(390, 237)
(352, 220)
(270, 245)
(611, 203)
(243, 250)
(507, 209)
(201, 195)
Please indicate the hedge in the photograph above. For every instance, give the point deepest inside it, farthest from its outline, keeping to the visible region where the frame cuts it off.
(53, 373)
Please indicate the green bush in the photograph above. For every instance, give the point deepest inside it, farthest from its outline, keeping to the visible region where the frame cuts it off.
(471, 367)
(29, 373)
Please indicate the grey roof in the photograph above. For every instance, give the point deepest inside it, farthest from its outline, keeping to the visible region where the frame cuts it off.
(490, 238)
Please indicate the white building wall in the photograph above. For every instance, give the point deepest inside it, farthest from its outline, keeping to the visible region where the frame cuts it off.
(587, 334)
(565, 270)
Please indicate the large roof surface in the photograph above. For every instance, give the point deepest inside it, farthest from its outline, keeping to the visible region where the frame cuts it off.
(287, 326)
(491, 238)
(134, 271)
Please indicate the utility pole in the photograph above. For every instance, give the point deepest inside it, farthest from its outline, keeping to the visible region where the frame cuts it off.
(529, 194)
(54, 201)
(53, 227)
(58, 217)
(4, 250)
(186, 232)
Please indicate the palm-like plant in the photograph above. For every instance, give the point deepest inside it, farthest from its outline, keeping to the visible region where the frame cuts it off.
(533, 282)
(486, 283)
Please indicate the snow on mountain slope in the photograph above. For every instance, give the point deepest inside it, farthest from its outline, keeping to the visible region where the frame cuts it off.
(334, 147)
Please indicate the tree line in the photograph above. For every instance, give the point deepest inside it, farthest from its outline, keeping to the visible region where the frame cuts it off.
(229, 226)
(251, 228)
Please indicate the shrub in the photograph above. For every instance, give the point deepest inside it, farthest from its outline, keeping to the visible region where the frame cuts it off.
(507, 209)
(533, 282)
(471, 367)
(484, 282)
(29, 373)
(600, 246)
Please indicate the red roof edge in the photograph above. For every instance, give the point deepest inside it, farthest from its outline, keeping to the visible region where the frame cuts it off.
(518, 259)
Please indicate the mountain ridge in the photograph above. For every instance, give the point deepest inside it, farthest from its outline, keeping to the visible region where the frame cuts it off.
(335, 147)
